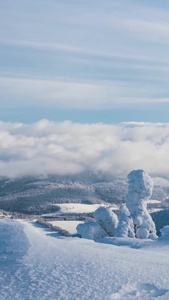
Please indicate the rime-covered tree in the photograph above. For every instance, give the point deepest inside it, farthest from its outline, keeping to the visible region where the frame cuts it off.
(107, 219)
(140, 186)
(165, 232)
(91, 230)
(125, 226)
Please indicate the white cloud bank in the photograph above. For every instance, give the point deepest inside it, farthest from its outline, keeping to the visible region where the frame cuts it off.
(63, 148)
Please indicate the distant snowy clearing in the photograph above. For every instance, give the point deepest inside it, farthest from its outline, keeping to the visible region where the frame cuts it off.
(150, 201)
(69, 226)
(79, 208)
(35, 265)
(155, 210)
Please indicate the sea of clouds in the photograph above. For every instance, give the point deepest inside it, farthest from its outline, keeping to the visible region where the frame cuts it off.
(47, 147)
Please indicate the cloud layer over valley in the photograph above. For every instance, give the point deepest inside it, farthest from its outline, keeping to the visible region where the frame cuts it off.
(63, 148)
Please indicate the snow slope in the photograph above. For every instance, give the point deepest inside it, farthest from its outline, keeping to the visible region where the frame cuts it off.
(72, 268)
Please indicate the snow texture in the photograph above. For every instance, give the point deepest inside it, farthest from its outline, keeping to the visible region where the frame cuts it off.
(125, 226)
(91, 230)
(73, 268)
(107, 219)
(140, 186)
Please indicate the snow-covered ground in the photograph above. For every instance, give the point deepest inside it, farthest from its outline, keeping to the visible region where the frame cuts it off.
(79, 208)
(36, 266)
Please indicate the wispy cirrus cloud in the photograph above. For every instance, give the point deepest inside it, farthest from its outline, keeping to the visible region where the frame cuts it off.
(83, 55)
(70, 94)
(41, 45)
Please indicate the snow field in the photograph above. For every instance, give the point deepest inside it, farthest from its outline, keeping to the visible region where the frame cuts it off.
(73, 268)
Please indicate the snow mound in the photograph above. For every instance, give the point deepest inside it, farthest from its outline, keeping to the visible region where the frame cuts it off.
(91, 230)
(107, 219)
(13, 241)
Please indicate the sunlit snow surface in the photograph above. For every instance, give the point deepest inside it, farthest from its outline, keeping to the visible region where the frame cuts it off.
(35, 265)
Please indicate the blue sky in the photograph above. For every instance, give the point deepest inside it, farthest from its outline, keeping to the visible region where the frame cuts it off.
(86, 61)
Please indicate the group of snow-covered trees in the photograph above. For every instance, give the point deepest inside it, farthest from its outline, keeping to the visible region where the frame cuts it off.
(133, 219)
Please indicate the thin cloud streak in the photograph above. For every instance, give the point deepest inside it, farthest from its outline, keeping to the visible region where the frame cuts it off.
(48, 46)
(90, 55)
(71, 49)
(71, 94)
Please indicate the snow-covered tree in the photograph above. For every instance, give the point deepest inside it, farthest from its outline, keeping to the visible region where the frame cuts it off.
(140, 186)
(125, 226)
(91, 230)
(107, 219)
(165, 232)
